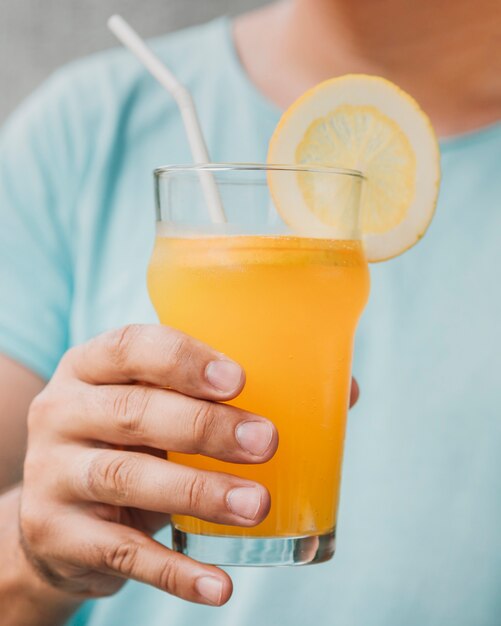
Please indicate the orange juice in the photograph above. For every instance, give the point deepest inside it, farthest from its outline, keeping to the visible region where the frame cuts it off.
(286, 309)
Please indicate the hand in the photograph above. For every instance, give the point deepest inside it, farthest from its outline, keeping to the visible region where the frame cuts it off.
(94, 488)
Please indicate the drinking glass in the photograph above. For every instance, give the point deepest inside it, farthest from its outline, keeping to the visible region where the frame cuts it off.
(284, 303)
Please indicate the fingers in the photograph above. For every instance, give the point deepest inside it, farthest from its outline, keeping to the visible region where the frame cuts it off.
(140, 415)
(354, 392)
(116, 550)
(144, 482)
(156, 355)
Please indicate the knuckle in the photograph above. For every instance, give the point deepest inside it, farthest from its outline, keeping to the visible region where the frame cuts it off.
(120, 343)
(178, 354)
(115, 475)
(129, 408)
(34, 527)
(48, 409)
(70, 356)
(42, 408)
(121, 557)
(205, 423)
(35, 465)
(169, 575)
(196, 491)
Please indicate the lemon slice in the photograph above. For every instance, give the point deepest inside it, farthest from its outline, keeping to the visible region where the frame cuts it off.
(363, 123)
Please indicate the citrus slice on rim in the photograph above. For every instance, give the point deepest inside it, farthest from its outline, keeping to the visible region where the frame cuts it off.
(363, 123)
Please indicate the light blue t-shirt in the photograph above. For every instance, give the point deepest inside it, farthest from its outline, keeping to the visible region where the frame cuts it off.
(419, 535)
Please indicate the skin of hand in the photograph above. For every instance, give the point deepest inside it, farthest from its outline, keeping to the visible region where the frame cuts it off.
(95, 489)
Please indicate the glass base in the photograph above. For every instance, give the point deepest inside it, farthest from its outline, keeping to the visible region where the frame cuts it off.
(255, 551)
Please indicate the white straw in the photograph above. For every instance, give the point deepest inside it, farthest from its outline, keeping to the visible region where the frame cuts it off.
(131, 40)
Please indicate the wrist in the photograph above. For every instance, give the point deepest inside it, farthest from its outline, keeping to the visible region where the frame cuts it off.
(26, 597)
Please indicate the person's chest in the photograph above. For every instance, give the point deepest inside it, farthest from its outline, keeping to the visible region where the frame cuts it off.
(420, 510)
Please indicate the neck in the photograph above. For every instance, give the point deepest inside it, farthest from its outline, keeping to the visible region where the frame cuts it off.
(446, 53)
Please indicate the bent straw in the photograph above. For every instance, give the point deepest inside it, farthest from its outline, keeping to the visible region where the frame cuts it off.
(131, 40)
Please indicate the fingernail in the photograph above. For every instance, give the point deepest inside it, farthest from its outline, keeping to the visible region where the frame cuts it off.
(224, 375)
(244, 501)
(254, 437)
(210, 588)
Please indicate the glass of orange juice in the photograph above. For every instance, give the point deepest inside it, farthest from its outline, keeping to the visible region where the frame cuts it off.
(285, 306)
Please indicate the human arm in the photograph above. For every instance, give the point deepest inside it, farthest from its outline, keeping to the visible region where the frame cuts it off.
(25, 599)
(18, 387)
(88, 509)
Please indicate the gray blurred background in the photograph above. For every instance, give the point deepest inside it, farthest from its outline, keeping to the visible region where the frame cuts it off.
(36, 36)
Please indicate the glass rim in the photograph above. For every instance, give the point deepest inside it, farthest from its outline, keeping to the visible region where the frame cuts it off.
(166, 170)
